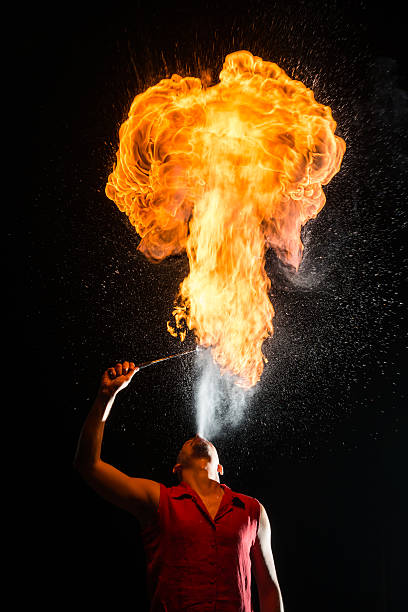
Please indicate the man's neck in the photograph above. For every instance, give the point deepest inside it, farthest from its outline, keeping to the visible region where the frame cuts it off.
(201, 482)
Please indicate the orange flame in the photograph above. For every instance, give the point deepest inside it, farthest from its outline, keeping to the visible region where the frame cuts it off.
(226, 172)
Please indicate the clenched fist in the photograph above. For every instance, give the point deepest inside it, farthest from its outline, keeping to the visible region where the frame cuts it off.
(117, 378)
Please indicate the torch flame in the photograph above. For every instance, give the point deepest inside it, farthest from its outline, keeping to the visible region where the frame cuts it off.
(224, 173)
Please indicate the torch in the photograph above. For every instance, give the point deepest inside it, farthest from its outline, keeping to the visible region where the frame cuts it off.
(146, 364)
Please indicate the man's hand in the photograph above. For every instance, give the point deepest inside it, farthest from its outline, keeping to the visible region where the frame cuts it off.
(88, 452)
(117, 378)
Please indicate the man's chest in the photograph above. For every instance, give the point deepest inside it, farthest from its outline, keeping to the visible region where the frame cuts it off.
(212, 505)
(191, 524)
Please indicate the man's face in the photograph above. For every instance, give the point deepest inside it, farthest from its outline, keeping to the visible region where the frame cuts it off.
(198, 452)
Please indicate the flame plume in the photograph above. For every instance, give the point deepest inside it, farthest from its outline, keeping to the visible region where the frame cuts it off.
(224, 173)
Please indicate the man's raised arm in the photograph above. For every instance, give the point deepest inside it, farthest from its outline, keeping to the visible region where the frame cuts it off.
(136, 495)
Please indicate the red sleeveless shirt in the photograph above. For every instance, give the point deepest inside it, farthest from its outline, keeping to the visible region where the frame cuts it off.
(196, 563)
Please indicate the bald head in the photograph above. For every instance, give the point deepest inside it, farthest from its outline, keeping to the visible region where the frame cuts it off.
(198, 454)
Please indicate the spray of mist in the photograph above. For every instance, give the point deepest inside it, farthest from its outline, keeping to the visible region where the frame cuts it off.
(220, 402)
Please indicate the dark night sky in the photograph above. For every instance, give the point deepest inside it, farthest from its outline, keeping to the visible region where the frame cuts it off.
(322, 443)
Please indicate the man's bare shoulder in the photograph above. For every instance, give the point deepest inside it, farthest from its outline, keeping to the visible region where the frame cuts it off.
(146, 490)
(246, 499)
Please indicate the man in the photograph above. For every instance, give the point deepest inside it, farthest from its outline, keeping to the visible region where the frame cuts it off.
(201, 539)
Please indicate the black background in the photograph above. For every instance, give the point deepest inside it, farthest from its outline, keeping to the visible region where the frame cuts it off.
(322, 441)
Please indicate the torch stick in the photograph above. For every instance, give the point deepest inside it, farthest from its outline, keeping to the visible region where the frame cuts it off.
(146, 364)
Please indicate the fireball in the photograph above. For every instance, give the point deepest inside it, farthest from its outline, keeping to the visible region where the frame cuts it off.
(224, 173)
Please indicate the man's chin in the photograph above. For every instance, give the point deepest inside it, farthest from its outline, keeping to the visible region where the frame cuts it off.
(200, 451)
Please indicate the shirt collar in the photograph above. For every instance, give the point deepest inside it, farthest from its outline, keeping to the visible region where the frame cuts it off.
(183, 490)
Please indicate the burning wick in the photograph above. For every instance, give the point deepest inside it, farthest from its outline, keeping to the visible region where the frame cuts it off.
(146, 364)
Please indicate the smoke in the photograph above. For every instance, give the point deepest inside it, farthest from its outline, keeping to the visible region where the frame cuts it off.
(220, 402)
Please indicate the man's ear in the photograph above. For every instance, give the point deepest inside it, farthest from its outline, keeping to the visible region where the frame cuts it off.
(220, 469)
(177, 468)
